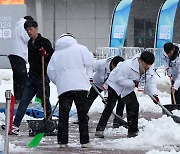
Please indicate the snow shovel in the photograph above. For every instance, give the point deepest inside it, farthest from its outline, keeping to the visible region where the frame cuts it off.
(38, 137)
(168, 113)
(105, 102)
(45, 126)
(172, 106)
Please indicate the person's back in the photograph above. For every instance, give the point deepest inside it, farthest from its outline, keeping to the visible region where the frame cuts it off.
(18, 57)
(19, 40)
(70, 68)
(70, 61)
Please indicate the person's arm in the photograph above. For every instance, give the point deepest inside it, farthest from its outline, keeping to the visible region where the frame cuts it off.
(150, 86)
(177, 80)
(51, 71)
(88, 61)
(122, 75)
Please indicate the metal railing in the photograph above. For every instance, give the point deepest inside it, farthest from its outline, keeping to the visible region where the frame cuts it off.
(129, 52)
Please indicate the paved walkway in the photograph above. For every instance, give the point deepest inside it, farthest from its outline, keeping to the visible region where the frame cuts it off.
(50, 146)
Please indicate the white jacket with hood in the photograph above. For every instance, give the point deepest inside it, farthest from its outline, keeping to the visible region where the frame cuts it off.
(19, 40)
(174, 69)
(71, 65)
(121, 78)
(101, 71)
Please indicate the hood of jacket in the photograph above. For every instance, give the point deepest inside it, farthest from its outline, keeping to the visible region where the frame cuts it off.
(64, 42)
(134, 63)
(21, 21)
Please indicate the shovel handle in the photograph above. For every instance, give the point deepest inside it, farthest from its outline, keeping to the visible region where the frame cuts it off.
(105, 102)
(43, 86)
(164, 109)
(53, 110)
(173, 96)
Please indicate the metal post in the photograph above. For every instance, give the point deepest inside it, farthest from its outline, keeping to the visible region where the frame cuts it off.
(6, 138)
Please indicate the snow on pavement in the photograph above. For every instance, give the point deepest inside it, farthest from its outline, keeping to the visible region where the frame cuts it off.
(154, 135)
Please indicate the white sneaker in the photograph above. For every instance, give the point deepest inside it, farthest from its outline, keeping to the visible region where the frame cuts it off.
(63, 145)
(87, 145)
(15, 130)
(99, 134)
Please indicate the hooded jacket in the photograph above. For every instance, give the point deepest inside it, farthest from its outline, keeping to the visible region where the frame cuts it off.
(19, 40)
(174, 68)
(121, 78)
(101, 71)
(71, 65)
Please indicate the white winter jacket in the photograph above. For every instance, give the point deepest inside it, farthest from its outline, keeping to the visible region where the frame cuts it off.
(101, 71)
(71, 65)
(174, 69)
(121, 78)
(19, 40)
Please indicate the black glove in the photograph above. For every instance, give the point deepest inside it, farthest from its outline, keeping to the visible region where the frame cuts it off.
(156, 99)
(91, 80)
(136, 83)
(104, 100)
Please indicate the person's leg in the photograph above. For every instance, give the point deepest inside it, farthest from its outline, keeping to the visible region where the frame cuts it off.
(119, 111)
(177, 96)
(18, 65)
(80, 100)
(111, 102)
(28, 94)
(91, 97)
(64, 109)
(47, 94)
(132, 109)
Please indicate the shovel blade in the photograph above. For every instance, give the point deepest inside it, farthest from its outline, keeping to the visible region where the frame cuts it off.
(171, 107)
(176, 119)
(39, 126)
(36, 140)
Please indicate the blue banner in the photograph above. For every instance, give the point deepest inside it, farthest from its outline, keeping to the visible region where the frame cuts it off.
(119, 23)
(166, 23)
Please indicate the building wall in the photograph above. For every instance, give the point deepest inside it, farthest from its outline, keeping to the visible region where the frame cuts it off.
(88, 20)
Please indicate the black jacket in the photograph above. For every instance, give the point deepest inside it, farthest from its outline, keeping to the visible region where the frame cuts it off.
(35, 57)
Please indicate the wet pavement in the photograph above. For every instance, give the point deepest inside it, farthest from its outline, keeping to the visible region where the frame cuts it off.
(49, 144)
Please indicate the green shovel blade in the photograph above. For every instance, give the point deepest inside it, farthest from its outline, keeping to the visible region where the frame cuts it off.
(36, 140)
(38, 100)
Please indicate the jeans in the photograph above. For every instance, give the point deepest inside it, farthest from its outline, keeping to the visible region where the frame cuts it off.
(33, 87)
(19, 70)
(65, 102)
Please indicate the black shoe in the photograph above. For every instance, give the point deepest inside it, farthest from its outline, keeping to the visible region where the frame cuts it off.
(134, 134)
(117, 125)
(77, 122)
(3, 127)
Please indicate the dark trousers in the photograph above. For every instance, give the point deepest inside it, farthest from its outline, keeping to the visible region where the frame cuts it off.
(33, 87)
(177, 96)
(65, 103)
(19, 70)
(119, 111)
(93, 95)
(132, 109)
